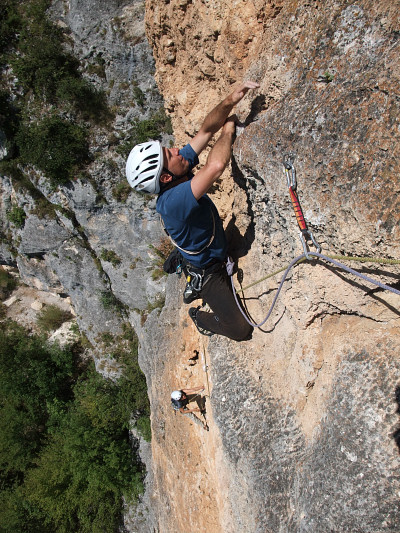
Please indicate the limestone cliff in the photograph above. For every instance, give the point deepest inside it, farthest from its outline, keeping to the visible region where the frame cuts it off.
(303, 417)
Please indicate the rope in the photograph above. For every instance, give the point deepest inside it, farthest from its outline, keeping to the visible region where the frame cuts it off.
(301, 258)
(205, 368)
(379, 260)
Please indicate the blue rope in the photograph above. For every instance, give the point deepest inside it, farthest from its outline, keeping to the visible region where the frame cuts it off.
(230, 264)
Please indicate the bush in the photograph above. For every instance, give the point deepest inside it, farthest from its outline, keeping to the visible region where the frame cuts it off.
(145, 130)
(66, 460)
(144, 427)
(110, 301)
(47, 75)
(42, 62)
(17, 216)
(110, 256)
(10, 24)
(9, 121)
(7, 283)
(88, 464)
(85, 98)
(52, 317)
(139, 96)
(55, 146)
(121, 191)
(162, 251)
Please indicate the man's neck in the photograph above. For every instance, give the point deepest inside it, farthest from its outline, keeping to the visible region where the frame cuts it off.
(173, 183)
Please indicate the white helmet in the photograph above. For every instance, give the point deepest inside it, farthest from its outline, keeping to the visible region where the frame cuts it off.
(144, 167)
(176, 395)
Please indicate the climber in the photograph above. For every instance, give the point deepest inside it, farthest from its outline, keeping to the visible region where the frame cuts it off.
(190, 218)
(180, 399)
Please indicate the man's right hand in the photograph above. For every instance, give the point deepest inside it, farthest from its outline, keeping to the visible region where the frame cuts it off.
(217, 117)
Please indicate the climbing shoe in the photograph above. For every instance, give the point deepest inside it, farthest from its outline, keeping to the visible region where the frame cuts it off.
(193, 315)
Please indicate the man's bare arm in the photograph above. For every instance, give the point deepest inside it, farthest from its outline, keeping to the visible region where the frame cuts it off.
(217, 160)
(217, 117)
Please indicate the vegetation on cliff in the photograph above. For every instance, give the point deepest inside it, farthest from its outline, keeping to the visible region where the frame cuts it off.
(47, 105)
(66, 459)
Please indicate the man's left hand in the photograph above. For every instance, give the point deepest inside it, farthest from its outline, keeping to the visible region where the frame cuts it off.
(242, 89)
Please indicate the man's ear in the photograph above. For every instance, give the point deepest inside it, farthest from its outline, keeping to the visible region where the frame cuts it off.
(165, 178)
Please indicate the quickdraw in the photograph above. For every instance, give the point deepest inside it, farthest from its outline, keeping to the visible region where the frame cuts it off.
(305, 234)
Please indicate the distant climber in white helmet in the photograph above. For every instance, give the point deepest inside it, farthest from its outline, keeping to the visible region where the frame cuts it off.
(190, 217)
(181, 398)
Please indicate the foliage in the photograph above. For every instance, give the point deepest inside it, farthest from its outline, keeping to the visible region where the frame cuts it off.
(7, 283)
(162, 251)
(145, 130)
(55, 145)
(121, 191)
(110, 301)
(42, 62)
(32, 375)
(144, 427)
(66, 460)
(88, 464)
(110, 256)
(17, 216)
(133, 388)
(52, 317)
(9, 119)
(49, 77)
(10, 23)
(139, 96)
(91, 103)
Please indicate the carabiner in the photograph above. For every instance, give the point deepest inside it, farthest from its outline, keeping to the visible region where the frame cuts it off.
(290, 171)
(305, 236)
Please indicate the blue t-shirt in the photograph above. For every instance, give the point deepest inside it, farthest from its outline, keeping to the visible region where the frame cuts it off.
(189, 221)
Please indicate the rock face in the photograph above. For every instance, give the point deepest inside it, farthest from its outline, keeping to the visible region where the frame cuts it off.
(303, 419)
(88, 242)
(304, 416)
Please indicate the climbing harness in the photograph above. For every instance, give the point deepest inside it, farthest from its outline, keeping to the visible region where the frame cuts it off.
(194, 284)
(305, 236)
(196, 278)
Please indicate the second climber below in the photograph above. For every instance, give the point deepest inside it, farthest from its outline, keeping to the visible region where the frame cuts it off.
(190, 217)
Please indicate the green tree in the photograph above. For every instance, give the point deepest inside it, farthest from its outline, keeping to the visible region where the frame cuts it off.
(88, 463)
(66, 459)
(55, 145)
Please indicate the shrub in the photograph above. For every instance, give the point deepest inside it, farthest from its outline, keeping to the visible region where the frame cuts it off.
(10, 23)
(42, 62)
(144, 427)
(110, 301)
(88, 463)
(110, 256)
(7, 283)
(52, 317)
(85, 98)
(17, 216)
(121, 191)
(162, 251)
(47, 75)
(139, 96)
(54, 145)
(145, 130)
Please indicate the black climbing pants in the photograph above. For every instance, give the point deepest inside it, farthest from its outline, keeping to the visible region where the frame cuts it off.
(225, 318)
